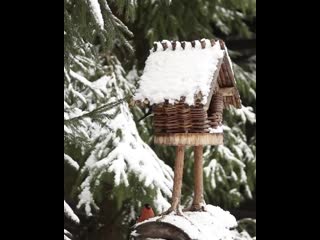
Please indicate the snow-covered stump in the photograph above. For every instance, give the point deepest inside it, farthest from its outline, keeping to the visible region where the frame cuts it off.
(213, 224)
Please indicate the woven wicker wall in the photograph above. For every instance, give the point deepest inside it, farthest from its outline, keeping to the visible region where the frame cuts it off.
(215, 111)
(181, 118)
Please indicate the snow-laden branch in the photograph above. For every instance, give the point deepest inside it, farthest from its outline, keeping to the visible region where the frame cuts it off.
(68, 212)
(96, 111)
(71, 162)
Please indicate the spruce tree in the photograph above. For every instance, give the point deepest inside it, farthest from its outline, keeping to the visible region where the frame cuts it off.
(102, 147)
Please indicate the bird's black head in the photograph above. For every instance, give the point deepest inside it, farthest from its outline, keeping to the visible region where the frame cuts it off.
(147, 205)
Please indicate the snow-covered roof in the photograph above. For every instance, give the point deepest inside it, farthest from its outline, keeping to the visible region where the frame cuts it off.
(188, 70)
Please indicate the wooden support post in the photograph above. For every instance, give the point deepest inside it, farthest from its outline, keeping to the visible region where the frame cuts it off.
(198, 179)
(178, 176)
(177, 183)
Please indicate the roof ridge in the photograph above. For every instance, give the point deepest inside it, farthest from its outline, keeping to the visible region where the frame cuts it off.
(183, 45)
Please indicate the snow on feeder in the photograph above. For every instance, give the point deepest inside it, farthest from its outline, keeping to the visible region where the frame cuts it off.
(188, 84)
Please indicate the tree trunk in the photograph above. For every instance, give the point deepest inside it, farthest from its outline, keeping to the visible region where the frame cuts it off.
(178, 175)
(198, 178)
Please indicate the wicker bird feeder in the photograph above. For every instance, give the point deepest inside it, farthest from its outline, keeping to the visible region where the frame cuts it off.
(188, 84)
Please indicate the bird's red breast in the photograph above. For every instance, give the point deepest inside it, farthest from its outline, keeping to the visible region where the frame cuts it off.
(146, 213)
